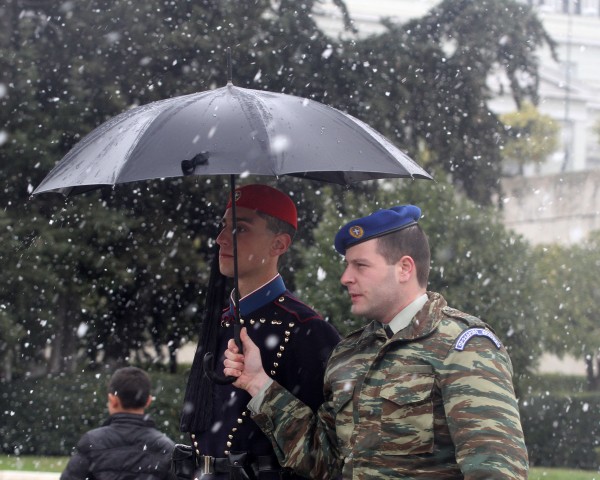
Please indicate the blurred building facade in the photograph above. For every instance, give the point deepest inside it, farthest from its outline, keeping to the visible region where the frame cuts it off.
(538, 204)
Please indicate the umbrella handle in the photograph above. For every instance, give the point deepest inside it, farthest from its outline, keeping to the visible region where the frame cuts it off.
(208, 362)
(212, 375)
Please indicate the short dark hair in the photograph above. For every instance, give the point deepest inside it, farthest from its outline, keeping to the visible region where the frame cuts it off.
(410, 241)
(131, 385)
(276, 225)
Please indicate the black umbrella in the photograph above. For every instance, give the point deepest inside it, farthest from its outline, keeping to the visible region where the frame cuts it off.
(230, 130)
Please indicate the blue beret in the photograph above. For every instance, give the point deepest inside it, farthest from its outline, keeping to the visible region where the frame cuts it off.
(375, 225)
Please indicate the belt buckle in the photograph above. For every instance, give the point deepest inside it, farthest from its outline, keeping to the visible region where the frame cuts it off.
(209, 464)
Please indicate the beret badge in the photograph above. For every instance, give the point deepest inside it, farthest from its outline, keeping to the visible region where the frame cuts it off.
(356, 231)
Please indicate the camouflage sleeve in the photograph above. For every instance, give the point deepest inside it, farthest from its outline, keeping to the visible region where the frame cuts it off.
(303, 441)
(482, 412)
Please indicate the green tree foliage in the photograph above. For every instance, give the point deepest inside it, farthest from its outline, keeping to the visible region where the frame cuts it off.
(569, 302)
(478, 265)
(428, 88)
(91, 278)
(531, 136)
(118, 269)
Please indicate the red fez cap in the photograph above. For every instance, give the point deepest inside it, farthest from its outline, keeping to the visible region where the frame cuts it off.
(267, 200)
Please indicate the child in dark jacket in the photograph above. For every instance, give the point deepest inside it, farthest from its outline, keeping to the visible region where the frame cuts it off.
(128, 445)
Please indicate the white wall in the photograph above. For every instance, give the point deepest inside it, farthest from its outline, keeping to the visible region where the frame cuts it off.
(558, 208)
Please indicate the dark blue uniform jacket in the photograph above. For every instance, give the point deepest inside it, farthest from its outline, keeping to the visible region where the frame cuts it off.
(295, 344)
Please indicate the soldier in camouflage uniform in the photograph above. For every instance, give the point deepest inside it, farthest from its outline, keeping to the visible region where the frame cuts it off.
(423, 391)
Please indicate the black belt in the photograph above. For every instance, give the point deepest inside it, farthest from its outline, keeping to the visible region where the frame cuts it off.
(263, 463)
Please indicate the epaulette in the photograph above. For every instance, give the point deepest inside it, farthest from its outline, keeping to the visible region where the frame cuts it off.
(356, 332)
(475, 328)
(296, 307)
(470, 320)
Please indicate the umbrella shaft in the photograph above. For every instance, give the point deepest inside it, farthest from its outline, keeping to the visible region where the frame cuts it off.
(236, 290)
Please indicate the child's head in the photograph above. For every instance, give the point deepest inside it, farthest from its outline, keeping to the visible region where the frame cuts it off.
(131, 386)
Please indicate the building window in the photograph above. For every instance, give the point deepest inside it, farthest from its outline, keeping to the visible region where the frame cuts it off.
(573, 7)
(590, 7)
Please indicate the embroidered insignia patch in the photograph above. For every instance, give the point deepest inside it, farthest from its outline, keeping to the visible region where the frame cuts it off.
(356, 231)
(467, 335)
(238, 195)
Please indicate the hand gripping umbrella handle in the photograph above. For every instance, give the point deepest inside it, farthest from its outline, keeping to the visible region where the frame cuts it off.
(208, 362)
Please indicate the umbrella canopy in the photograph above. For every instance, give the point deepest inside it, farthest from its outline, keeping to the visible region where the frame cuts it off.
(230, 130)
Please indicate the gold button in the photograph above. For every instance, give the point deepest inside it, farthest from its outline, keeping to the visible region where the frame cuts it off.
(291, 325)
(275, 364)
(252, 321)
(262, 320)
(239, 420)
(228, 444)
(281, 299)
(278, 354)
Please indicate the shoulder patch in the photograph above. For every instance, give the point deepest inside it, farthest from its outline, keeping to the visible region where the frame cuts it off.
(464, 337)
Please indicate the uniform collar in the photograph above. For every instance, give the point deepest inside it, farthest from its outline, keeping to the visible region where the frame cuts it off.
(422, 323)
(404, 317)
(259, 297)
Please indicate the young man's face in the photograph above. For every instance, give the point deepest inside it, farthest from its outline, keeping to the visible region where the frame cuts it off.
(254, 244)
(371, 283)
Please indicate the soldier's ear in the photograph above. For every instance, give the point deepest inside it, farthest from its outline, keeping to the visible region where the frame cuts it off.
(281, 243)
(405, 269)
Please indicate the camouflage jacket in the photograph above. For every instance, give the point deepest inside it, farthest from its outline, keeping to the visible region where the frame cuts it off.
(435, 401)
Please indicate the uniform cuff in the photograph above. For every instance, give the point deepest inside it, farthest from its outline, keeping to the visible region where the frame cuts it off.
(257, 400)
